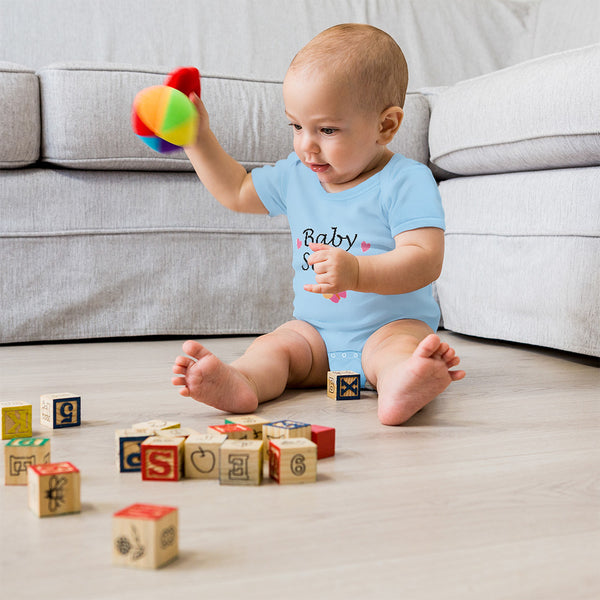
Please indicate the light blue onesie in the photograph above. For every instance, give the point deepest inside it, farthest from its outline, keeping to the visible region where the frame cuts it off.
(362, 220)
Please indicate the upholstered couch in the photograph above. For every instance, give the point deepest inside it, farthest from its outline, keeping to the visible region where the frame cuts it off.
(101, 237)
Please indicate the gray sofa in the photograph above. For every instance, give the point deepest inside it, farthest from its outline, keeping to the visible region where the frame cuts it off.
(101, 237)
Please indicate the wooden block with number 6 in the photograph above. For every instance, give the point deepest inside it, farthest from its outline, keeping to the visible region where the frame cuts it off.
(145, 536)
(293, 460)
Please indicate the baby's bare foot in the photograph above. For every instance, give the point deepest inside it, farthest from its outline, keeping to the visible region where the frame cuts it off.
(207, 379)
(407, 388)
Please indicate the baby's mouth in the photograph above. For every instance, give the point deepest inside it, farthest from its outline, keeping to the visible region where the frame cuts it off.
(318, 168)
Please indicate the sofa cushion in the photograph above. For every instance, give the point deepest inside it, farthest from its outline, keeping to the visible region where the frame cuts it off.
(540, 114)
(522, 258)
(19, 116)
(86, 119)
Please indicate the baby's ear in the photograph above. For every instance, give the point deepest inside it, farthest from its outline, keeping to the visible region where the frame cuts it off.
(389, 123)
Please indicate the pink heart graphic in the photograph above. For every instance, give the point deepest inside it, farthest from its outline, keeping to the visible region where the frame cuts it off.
(364, 246)
(342, 294)
(298, 243)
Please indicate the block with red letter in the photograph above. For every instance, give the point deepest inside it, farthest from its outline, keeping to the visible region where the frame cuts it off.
(54, 489)
(20, 453)
(202, 455)
(162, 458)
(60, 410)
(16, 420)
(232, 431)
(145, 536)
(241, 462)
(324, 438)
(293, 460)
(253, 421)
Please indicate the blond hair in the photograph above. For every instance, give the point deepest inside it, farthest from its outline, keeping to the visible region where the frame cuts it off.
(362, 56)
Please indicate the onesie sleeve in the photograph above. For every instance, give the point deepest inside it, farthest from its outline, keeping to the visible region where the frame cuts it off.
(413, 199)
(270, 183)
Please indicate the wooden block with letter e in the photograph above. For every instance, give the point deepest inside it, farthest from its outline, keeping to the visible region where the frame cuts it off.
(232, 431)
(202, 455)
(128, 449)
(60, 410)
(145, 536)
(324, 438)
(253, 421)
(343, 385)
(54, 489)
(162, 458)
(241, 462)
(20, 453)
(16, 420)
(293, 460)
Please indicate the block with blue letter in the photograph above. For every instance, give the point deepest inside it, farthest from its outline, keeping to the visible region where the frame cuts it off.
(60, 410)
(128, 449)
(343, 385)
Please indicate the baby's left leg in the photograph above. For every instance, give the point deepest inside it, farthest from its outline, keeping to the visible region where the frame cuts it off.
(409, 365)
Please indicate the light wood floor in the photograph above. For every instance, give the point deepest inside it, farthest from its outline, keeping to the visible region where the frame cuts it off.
(492, 491)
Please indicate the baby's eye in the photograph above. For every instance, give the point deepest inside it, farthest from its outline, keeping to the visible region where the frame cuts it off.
(328, 130)
(296, 126)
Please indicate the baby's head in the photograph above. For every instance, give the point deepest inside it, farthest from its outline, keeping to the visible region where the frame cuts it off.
(365, 59)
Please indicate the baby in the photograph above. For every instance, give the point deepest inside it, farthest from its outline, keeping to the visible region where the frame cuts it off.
(368, 238)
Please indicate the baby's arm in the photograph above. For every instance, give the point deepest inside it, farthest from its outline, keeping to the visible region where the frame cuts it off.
(224, 177)
(415, 262)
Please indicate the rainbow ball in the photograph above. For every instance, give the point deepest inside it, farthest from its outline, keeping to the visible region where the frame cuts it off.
(164, 118)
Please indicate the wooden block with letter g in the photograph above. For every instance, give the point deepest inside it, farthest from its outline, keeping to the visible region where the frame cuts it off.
(145, 536)
(19, 454)
(54, 489)
(293, 460)
(162, 458)
(16, 420)
(241, 462)
(128, 449)
(343, 385)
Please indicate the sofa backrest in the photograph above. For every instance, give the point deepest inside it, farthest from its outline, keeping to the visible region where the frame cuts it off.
(445, 41)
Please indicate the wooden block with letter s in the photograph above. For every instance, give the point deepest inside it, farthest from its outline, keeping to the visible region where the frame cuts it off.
(145, 536)
(162, 458)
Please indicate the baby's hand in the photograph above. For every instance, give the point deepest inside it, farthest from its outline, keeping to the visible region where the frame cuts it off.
(203, 119)
(335, 270)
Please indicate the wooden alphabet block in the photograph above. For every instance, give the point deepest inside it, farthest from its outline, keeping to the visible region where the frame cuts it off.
(232, 431)
(324, 438)
(19, 454)
(183, 432)
(343, 385)
(241, 462)
(284, 429)
(162, 458)
(16, 420)
(202, 455)
(60, 410)
(253, 421)
(54, 489)
(293, 460)
(128, 449)
(156, 425)
(145, 536)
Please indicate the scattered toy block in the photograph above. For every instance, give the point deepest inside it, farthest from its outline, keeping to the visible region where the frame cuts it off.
(183, 432)
(60, 410)
(343, 385)
(241, 462)
(232, 431)
(292, 460)
(324, 438)
(16, 420)
(20, 453)
(202, 455)
(145, 536)
(128, 449)
(54, 489)
(253, 421)
(162, 458)
(284, 429)
(156, 425)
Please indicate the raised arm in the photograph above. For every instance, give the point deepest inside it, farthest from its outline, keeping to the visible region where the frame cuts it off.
(224, 177)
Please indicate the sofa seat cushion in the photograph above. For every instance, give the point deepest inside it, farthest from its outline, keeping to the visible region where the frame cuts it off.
(19, 116)
(86, 119)
(522, 259)
(540, 114)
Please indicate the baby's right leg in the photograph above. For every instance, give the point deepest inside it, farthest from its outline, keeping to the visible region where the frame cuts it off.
(294, 355)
